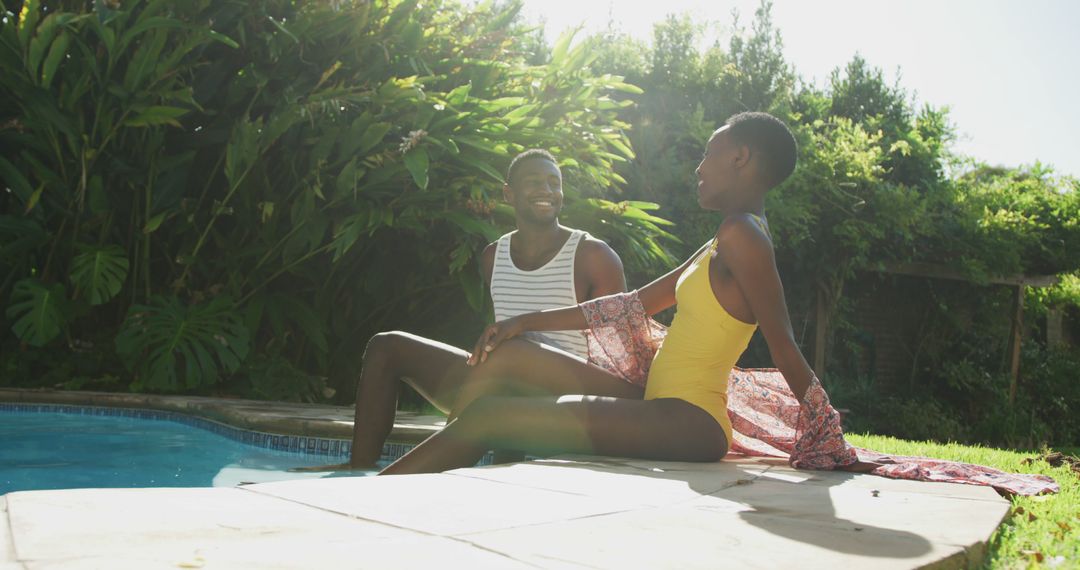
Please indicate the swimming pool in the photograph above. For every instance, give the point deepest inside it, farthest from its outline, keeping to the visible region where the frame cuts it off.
(65, 447)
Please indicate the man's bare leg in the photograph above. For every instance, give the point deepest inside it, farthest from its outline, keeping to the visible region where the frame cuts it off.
(433, 368)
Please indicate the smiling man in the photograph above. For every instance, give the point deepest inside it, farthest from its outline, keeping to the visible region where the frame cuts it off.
(540, 265)
(543, 264)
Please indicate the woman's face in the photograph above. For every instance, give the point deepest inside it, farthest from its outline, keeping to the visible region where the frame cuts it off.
(717, 170)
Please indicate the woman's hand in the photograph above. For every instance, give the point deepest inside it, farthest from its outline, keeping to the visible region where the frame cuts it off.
(492, 337)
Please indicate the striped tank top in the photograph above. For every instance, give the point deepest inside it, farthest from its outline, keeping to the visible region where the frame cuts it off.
(515, 291)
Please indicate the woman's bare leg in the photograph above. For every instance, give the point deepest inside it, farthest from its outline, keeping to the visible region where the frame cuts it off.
(664, 429)
(523, 368)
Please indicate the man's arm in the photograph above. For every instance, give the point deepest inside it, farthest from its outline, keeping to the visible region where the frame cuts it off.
(601, 269)
(487, 263)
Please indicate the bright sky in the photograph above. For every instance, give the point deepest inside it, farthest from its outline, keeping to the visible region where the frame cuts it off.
(1009, 70)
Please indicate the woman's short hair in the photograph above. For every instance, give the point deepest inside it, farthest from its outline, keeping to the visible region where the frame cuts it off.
(770, 139)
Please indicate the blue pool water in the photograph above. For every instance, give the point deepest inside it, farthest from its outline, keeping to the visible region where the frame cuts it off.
(49, 450)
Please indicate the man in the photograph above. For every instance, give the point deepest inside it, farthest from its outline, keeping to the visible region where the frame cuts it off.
(540, 265)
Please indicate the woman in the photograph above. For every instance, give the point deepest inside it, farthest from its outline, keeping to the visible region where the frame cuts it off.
(725, 291)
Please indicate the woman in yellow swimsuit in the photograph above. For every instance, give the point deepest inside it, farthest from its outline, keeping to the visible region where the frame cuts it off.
(725, 291)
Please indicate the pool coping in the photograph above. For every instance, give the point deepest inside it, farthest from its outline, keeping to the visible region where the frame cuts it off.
(280, 418)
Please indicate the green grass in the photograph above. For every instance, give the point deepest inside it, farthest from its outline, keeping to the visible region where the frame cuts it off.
(1040, 532)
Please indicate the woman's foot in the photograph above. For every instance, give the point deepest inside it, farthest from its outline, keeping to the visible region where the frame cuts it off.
(333, 467)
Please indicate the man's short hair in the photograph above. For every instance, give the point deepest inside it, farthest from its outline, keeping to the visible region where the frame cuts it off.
(771, 141)
(531, 154)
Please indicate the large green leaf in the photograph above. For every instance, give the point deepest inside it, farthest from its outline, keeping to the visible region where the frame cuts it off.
(43, 38)
(144, 61)
(15, 180)
(99, 272)
(473, 225)
(281, 308)
(171, 346)
(416, 160)
(372, 136)
(19, 236)
(156, 115)
(57, 52)
(149, 24)
(37, 311)
(481, 165)
(28, 20)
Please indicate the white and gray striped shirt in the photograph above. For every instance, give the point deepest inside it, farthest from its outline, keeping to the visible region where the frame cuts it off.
(515, 291)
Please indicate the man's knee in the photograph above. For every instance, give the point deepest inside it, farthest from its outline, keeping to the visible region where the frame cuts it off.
(386, 345)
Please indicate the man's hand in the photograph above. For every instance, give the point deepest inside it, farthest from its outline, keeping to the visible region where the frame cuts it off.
(492, 337)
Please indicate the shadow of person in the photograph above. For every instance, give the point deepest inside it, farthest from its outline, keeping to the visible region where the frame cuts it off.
(833, 510)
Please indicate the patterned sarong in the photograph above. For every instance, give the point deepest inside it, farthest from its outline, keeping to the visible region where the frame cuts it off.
(767, 418)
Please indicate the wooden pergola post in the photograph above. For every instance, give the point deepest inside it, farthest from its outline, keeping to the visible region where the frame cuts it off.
(821, 327)
(1015, 339)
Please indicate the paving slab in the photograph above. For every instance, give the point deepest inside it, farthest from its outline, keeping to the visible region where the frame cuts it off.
(933, 517)
(441, 504)
(217, 527)
(687, 537)
(632, 485)
(7, 544)
(557, 513)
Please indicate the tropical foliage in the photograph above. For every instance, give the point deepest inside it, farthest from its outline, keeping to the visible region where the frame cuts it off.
(190, 183)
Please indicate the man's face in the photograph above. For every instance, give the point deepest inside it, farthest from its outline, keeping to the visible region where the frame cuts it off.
(535, 191)
(717, 170)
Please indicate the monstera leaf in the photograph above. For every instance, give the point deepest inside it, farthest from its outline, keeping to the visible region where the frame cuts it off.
(37, 311)
(99, 272)
(171, 346)
(18, 237)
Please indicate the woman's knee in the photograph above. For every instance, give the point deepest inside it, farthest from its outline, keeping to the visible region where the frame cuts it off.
(509, 358)
(479, 417)
(490, 377)
(473, 388)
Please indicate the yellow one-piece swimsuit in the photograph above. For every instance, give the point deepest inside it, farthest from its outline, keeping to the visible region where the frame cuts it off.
(702, 345)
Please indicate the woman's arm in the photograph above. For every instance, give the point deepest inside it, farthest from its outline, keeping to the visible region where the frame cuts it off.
(747, 252)
(566, 318)
(660, 294)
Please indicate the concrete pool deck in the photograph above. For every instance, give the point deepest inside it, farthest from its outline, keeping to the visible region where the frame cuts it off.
(567, 512)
